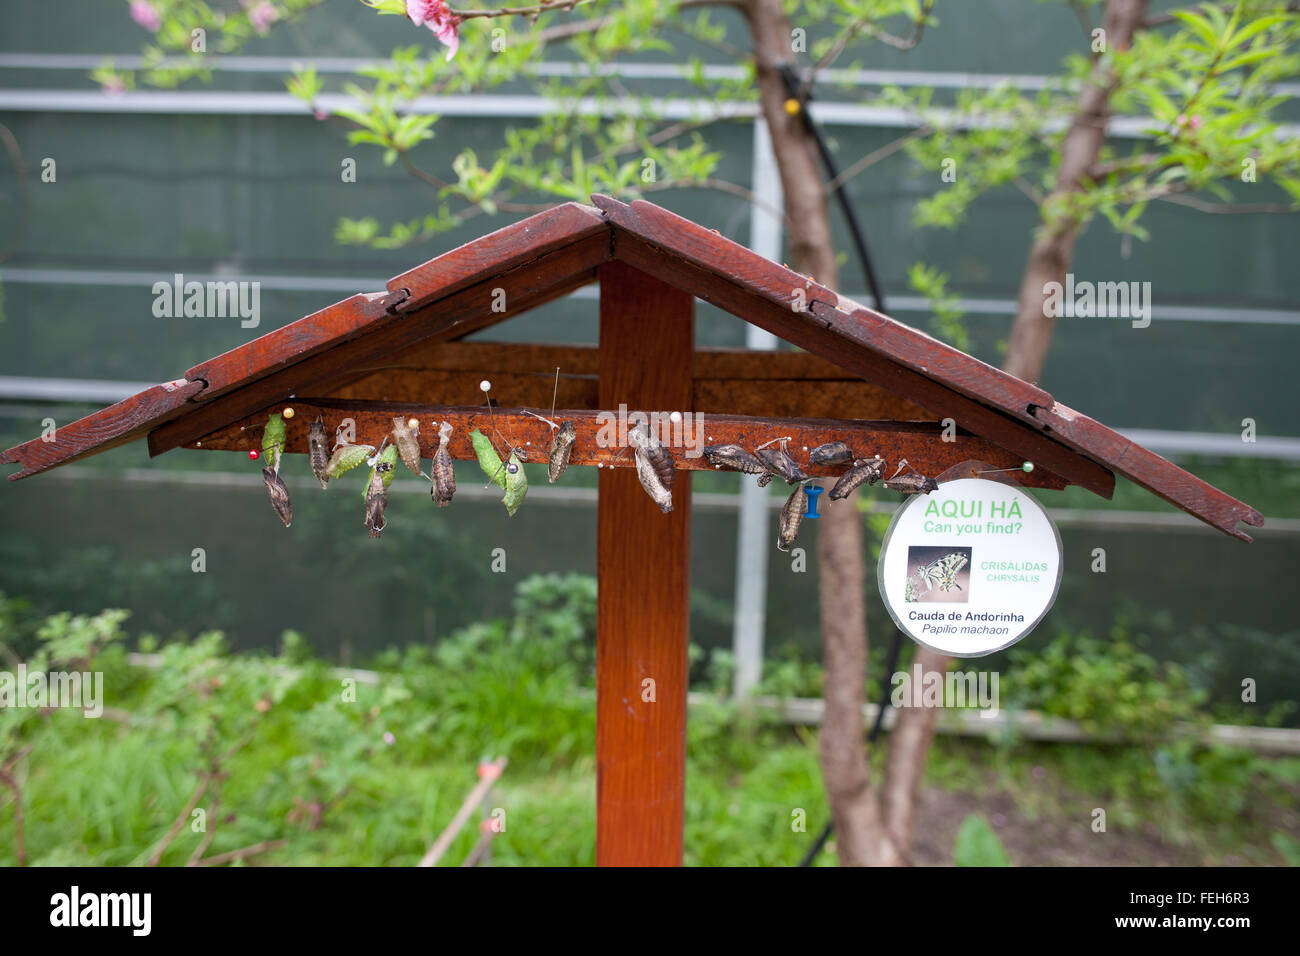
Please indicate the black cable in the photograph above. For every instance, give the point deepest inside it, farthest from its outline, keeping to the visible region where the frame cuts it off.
(878, 299)
(832, 171)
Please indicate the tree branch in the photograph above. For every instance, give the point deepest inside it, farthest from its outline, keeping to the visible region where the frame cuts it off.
(9, 780)
(246, 852)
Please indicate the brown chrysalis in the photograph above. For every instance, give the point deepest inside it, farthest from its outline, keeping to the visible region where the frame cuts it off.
(376, 501)
(781, 462)
(654, 467)
(864, 469)
(913, 483)
(317, 453)
(791, 517)
(561, 448)
(735, 458)
(444, 475)
(279, 495)
(406, 437)
(831, 453)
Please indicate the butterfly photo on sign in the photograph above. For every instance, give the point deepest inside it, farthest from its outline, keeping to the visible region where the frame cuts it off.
(938, 575)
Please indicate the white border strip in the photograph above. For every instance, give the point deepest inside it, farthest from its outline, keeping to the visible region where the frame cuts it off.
(481, 105)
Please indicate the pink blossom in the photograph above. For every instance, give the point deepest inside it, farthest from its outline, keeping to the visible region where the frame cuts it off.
(437, 16)
(113, 86)
(389, 738)
(320, 114)
(262, 16)
(144, 14)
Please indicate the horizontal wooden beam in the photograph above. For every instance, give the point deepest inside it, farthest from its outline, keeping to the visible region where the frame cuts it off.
(780, 384)
(921, 443)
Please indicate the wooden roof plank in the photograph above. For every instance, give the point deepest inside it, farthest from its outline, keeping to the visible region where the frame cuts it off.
(809, 332)
(1157, 475)
(442, 276)
(527, 285)
(893, 340)
(107, 428)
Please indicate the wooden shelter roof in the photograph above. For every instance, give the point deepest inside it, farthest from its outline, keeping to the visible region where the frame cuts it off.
(554, 252)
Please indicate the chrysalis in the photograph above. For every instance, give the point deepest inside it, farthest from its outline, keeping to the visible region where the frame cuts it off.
(791, 517)
(735, 458)
(765, 479)
(316, 450)
(381, 476)
(654, 467)
(561, 448)
(831, 453)
(444, 475)
(347, 457)
(913, 483)
(279, 495)
(779, 461)
(376, 501)
(273, 441)
(864, 469)
(406, 437)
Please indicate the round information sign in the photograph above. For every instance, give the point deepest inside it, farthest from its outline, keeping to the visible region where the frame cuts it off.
(970, 568)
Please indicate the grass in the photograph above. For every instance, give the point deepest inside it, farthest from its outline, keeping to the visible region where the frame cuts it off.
(370, 774)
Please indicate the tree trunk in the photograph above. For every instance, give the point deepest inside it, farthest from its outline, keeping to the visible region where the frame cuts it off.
(1050, 257)
(1053, 247)
(860, 835)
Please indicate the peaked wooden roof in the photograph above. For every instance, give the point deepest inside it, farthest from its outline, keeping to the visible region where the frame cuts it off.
(554, 252)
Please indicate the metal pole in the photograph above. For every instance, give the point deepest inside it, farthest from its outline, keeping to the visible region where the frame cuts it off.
(752, 544)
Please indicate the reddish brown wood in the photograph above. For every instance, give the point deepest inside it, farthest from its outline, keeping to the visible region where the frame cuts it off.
(488, 256)
(921, 443)
(498, 252)
(1012, 434)
(1158, 475)
(526, 287)
(643, 609)
(787, 289)
(107, 428)
(727, 381)
(912, 376)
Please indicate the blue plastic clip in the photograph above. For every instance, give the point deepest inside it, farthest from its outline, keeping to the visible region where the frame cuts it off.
(813, 492)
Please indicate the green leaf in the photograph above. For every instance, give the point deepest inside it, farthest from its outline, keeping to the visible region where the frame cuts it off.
(273, 440)
(516, 486)
(978, 845)
(488, 459)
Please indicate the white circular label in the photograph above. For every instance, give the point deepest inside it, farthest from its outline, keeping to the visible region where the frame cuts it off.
(970, 568)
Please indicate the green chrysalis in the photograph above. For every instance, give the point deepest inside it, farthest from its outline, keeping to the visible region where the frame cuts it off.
(488, 459)
(516, 485)
(273, 440)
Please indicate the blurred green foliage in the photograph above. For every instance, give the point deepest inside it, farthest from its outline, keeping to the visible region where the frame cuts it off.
(367, 767)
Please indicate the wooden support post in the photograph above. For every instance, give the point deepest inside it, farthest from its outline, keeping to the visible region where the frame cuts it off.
(643, 565)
